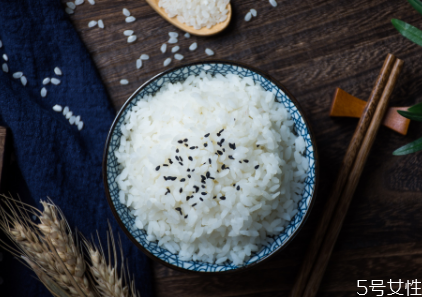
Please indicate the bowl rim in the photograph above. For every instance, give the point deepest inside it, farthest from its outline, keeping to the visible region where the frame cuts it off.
(133, 96)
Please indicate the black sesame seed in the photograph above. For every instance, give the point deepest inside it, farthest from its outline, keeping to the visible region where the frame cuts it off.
(240, 162)
(218, 171)
(157, 168)
(178, 209)
(203, 177)
(203, 182)
(170, 161)
(193, 204)
(181, 159)
(220, 152)
(224, 150)
(257, 145)
(166, 165)
(206, 135)
(181, 190)
(223, 197)
(221, 141)
(180, 141)
(177, 150)
(188, 170)
(185, 140)
(177, 158)
(189, 176)
(218, 134)
(234, 185)
(223, 166)
(165, 178)
(209, 160)
(205, 144)
(186, 145)
(231, 157)
(193, 170)
(190, 158)
(208, 174)
(238, 188)
(212, 177)
(186, 216)
(246, 161)
(201, 199)
(214, 197)
(181, 164)
(257, 166)
(172, 177)
(227, 167)
(203, 186)
(197, 189)
(182, 180)
(221, 131)
(192, 148)
(203, 193)
(187, 198)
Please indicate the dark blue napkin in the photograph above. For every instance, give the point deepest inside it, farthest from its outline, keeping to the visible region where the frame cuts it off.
(55, 159)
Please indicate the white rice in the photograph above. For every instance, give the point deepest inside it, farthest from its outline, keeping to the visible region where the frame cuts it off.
(17, 75)
(69, 114)
(1, 43)
(80, 125)
(68, 10)
(65, 110)
(254, 12)
(124, 82)
(55, 81)
(193, 46)
(92, 2)
(58, 71)
(130, 19)
(5, 57)
(57, 108)
(71, 5)
(131, 38)
(43, 92)
(209, 52)
(172, 40)
(178, 57)
(24, 80)
(167, 62)
(72, 120)
(163, 48)
(138, 64)
(187, 35)
(268, 185)
(79, 2)
(101, 24)
(173, 34)
(175, 49)
(144, 57)
(5, 68)
(273, 3)
(248, 16)
(128, 32)
(126, 12)
(92, 24)
(196, 13)
(46, 81)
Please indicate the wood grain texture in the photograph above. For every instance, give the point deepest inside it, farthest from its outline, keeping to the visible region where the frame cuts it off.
(3, 134)
(311, 47)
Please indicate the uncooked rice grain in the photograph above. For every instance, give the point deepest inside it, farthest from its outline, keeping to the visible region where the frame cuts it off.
(144, 57)
(101, 24)
(124, 82)
(209, 52)
(128, 32)
(43, 92)
(71, 5)
(178, 57)
(126, 12)
(24, 80)
(58, 71)
(196, 13)
(65, 110)
(17, 75)
(248, 16)
(92, 2)
(138, 64)
(79, 2)
(173, 34)
(92, 24)
(163, 48)
(187, 35)
(130, 19)
(131, 38)
(69, 114)
(254, 12)
(80, 125)
(237, 222)
(46, 81)
(193, 46)
(175, 49)
(5, 68)
(5, 57)
(72, 120)
(55, 81)
(57, 108)
(273, 3)
(69, 11)
(167, 62)
(172, 40)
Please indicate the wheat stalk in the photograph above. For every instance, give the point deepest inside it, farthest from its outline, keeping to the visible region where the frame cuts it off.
(105, 275)
(56, 230)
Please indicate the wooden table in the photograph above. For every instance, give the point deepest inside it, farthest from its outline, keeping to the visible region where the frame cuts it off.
(310, 46)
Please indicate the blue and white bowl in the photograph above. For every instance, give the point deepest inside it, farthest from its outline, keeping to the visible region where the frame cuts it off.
(180, 73)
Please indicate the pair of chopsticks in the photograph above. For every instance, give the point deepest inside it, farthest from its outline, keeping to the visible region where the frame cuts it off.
(322, 244)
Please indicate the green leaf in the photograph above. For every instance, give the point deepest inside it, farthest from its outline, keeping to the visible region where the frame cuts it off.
(416, 5)
(409, 148)
(408, 31)
(411, 115)
(417, 108)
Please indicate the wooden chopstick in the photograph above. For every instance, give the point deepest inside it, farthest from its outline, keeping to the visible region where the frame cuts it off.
(345, 168)
(352, 181)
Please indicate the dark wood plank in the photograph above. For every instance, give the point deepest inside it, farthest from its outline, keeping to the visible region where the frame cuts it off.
(311, 47)
(3, 134)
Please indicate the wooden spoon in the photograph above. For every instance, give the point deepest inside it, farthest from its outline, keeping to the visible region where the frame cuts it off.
(191, 30)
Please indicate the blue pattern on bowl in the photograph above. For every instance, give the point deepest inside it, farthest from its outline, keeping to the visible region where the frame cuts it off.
(181, 74)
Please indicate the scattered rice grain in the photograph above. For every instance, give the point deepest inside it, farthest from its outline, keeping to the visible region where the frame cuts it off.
(92, 24)
(175, 49)
(126, 12)
(124, 82)
(187, 35)
(138, 64)
(273, 3)
(55, 81)
(254, 12)
(5, 67)
(193, 46)
(5, 57)
(80, 125)
(71, 5)
(144, 57)
(24, 80)
(58, 71)
(172, 40)
(209, 52)
(173, 34)
(69, 11)
(178, 57)
(248, 16)
(101, 24)
(46, 81)
(72, 120)
(57, 108)
(79, 2)
(17, 75)
(128, 32)
(43, 92)
(131, 38)
(163, 48)
(130, 19)
(167, 62)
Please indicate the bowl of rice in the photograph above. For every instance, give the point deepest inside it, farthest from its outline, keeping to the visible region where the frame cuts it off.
(211, 167)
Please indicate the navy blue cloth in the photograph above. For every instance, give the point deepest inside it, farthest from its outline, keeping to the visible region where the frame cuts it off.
(54, 158)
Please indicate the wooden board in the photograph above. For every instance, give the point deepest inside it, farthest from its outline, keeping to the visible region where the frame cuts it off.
(311, 47)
